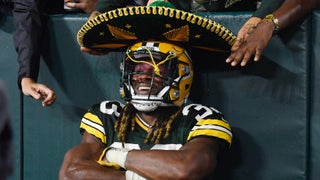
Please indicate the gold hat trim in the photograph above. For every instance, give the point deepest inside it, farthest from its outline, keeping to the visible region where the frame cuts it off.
(206, 23)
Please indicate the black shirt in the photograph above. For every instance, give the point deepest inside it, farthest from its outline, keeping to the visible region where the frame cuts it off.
(30, 21)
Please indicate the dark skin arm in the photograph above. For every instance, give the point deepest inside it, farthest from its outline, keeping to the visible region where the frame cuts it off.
(80, 162)
(195, 160)
(294, 10)
(289, 12)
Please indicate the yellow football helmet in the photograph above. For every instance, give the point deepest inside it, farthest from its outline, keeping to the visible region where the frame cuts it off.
(170, 62)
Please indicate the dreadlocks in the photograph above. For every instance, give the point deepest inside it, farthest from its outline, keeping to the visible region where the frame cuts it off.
(159, 131)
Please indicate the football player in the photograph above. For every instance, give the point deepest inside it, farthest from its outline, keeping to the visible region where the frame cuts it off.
(156, 134)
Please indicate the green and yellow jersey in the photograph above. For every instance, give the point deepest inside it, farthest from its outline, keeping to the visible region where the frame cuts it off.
(194, 121)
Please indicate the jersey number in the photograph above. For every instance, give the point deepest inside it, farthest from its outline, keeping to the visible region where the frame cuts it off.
(203, 111)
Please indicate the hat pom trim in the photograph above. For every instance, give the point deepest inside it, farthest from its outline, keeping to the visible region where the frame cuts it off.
(205, 23)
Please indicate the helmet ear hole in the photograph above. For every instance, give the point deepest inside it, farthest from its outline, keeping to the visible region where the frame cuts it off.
(185, 70)
(174, 92)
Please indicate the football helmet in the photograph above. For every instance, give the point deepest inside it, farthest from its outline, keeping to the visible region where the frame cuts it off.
(169, 62)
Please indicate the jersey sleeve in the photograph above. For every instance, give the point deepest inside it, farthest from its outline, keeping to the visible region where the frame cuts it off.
(93, 124)
(209, 123)
(100, 118)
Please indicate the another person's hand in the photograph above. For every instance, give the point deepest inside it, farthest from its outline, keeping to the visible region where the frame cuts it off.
(253, 45)
(245, 30)
(87, 6)
(38, 91)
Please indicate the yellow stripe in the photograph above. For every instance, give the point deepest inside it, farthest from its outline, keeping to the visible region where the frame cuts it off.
(144, 127)
(215, 122)
(94, 132)
(93, 118)
(210, 132)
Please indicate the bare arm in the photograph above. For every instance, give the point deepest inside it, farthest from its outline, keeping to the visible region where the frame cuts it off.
(195, 160)
(81, 162)
(289, 12)
(294, 10)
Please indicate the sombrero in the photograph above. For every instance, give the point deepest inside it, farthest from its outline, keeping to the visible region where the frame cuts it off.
(117, 29)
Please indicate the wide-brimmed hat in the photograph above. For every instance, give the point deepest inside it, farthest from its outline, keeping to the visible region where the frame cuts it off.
(117, 29)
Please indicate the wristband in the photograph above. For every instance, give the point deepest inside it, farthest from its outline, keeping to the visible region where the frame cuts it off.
(103, 163)
(274, 20)
(118, 156)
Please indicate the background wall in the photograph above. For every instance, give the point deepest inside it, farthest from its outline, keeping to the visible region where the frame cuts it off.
(315, 98)
(272, 105)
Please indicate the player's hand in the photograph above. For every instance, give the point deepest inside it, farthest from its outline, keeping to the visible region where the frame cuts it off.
(253, 45)
(87, 6)
(38, 91)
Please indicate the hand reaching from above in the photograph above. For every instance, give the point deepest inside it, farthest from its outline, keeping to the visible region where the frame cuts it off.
(38, 91)
(251, 44)
(245, 30)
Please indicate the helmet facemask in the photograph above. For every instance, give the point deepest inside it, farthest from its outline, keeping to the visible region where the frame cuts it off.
(151, 78)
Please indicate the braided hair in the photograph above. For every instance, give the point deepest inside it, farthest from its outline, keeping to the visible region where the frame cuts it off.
(156, 134)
